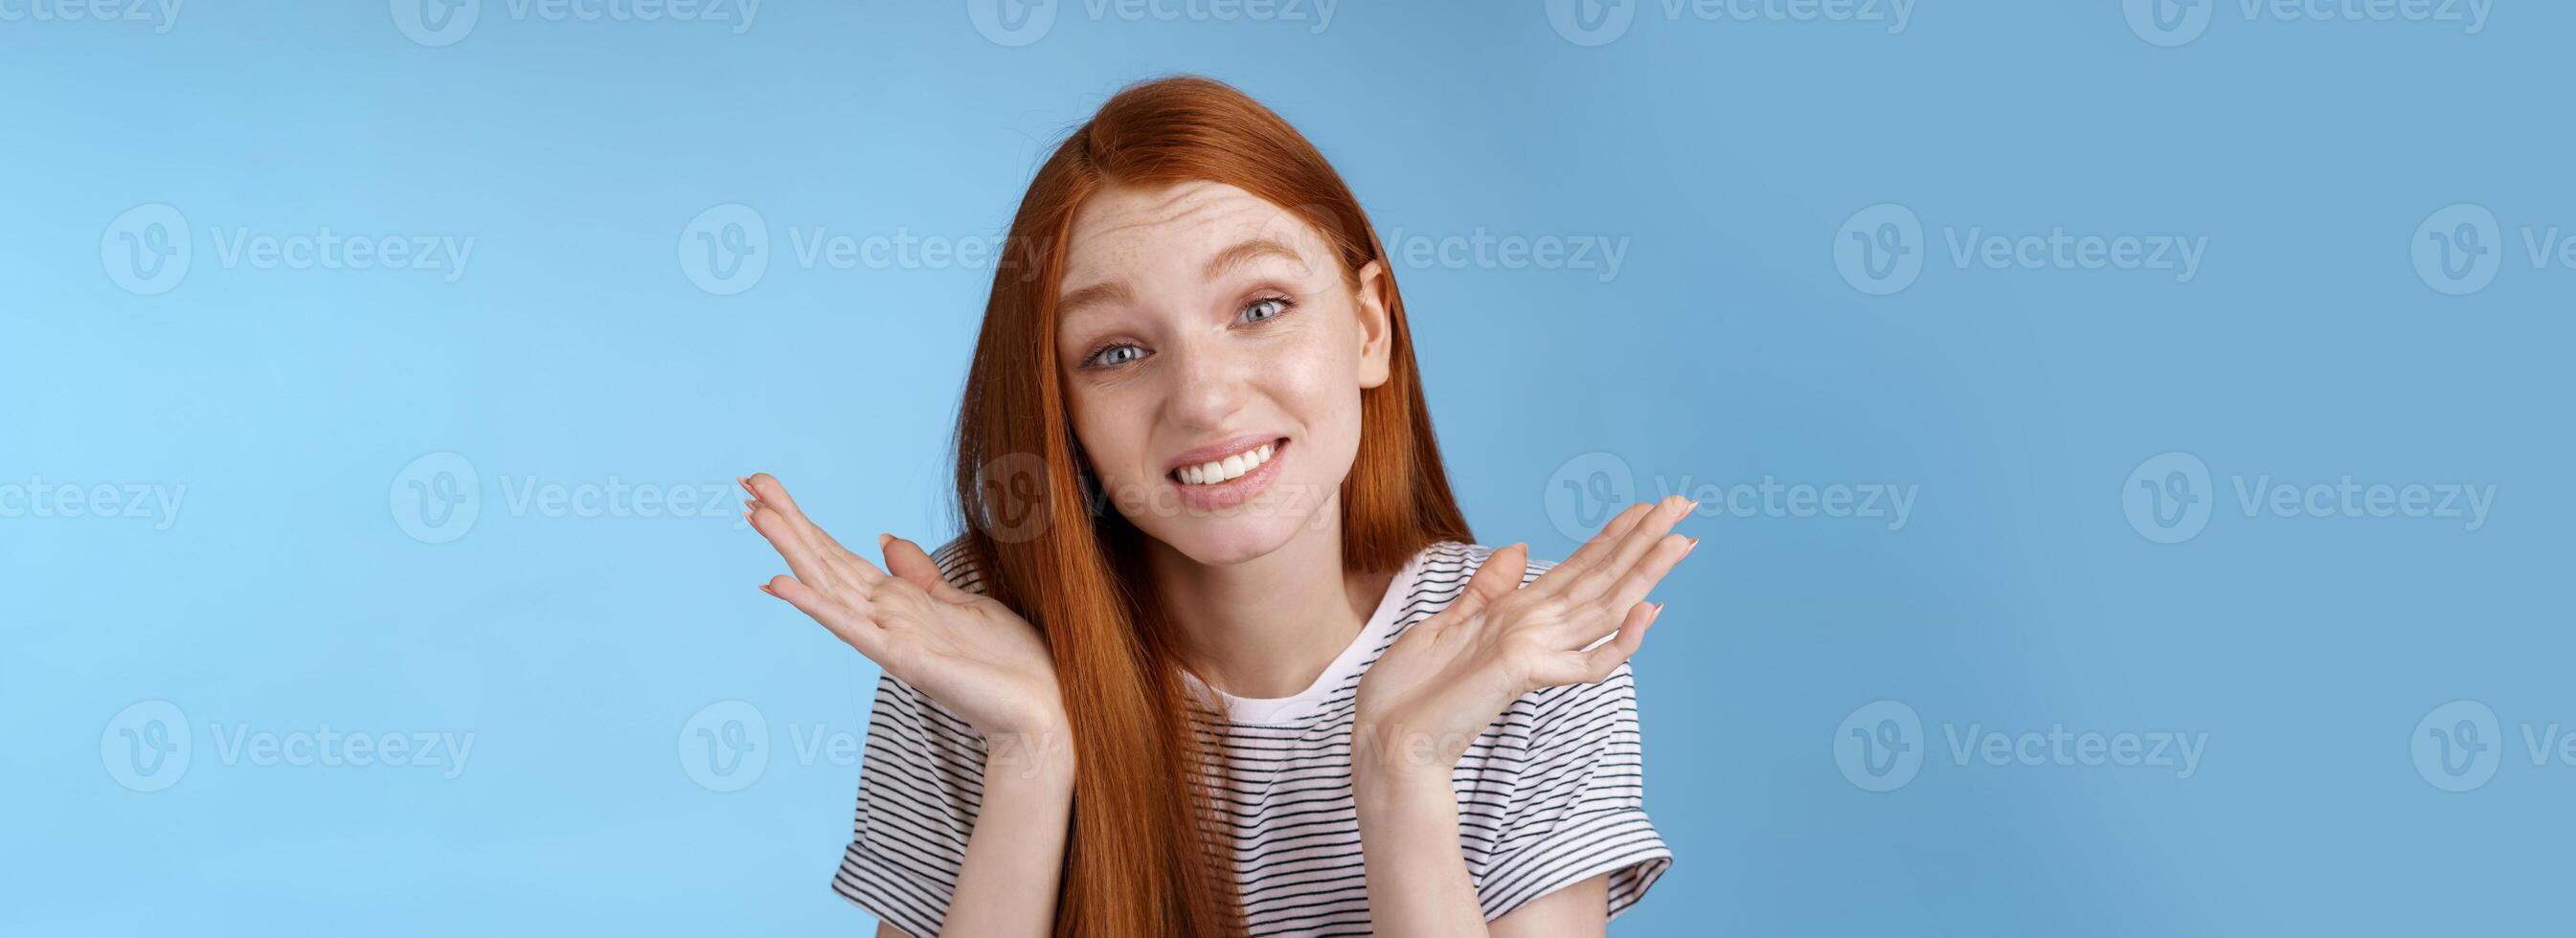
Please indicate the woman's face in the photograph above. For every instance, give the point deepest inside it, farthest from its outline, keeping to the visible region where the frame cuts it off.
(1202, 328)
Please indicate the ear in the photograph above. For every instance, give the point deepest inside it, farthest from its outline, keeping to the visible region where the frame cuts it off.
(1377, 334)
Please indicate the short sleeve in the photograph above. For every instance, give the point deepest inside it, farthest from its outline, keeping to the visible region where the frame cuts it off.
(920, 788)
(1575, 804)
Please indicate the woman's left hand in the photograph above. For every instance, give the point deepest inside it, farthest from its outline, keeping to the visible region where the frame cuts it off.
(1450, 676)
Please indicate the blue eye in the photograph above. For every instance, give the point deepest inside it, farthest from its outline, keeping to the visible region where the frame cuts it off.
(1256, 312)
(1277, 304)
(1102, 358)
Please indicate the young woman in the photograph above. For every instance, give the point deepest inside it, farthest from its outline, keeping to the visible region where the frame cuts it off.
(1216, 653)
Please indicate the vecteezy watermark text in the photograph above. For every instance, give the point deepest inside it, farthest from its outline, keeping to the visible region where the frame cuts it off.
(2169, 498)
(1586, 491)
(2178, 22)
(1880, 746)
(162, 14)
(148, 250)
(149, 746)
(37, 498)
(1484, 250)
(435, 23)
(1016, 23)
(438, 497)
(1601, 22)
(1880, 250)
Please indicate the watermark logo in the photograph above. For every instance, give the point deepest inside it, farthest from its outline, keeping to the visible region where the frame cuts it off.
(1879, 249)
(1585, 492)
(2458, 249)
(2169, 23)
(1879, 747)
(1591, 22)
(147, 746)
(162, 14)
(436, 498)
(1015, 23)
(1600, 22)
(725, 746)
(2458, 746)
(1013, 497)
(725, 250)
(436, 23)
(2168, 498)
(146, 251)
(1012, 23)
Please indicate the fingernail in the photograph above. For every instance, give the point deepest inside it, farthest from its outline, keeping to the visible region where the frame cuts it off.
(884, 539)
(1659, 612)
(765, 588)
(1694, 545)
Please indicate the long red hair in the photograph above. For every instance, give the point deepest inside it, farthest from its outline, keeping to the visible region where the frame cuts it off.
(1149, 852)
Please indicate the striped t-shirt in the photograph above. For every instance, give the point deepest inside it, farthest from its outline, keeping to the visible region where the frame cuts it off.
(1551, 794)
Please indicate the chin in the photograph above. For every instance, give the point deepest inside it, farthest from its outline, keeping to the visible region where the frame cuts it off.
(1224, 540)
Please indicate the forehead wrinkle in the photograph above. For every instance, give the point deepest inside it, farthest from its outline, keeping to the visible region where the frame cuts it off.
(1195, 209)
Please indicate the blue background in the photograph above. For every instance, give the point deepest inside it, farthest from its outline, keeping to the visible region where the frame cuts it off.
(285, 593)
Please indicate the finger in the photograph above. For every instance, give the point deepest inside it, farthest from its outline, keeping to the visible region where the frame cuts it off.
(1501, 573)
(769, 491)
(907, 560)
(1649, 570)
(1649, 530)
(800, 555)
(850, 625)
(841, 562)
(1598, 663)
(1592, 551)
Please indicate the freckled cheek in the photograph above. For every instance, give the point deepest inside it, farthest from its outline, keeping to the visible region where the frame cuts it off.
(1113, 434)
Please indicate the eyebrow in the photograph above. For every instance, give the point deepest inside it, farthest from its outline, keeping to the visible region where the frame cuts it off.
(1116, 291)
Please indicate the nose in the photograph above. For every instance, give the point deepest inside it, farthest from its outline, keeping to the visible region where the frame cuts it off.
(1211, 382)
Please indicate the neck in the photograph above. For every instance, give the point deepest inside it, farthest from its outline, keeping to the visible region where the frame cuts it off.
(1268, 626)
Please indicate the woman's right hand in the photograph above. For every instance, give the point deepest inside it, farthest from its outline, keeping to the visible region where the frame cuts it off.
(969, 652)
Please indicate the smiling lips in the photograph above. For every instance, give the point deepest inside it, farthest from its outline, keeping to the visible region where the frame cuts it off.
(1232, 466)
(1228, 473)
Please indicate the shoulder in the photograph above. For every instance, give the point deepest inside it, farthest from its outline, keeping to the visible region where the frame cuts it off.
(1464, 557)
(1446, 565)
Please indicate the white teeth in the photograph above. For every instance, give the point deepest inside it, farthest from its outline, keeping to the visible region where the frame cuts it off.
(1231, 467)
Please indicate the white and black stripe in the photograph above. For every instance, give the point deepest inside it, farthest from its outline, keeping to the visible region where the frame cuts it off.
(1550, 795)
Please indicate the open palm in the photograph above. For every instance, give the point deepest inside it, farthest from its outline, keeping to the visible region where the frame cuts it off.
(1450, 676)
(968, 652)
